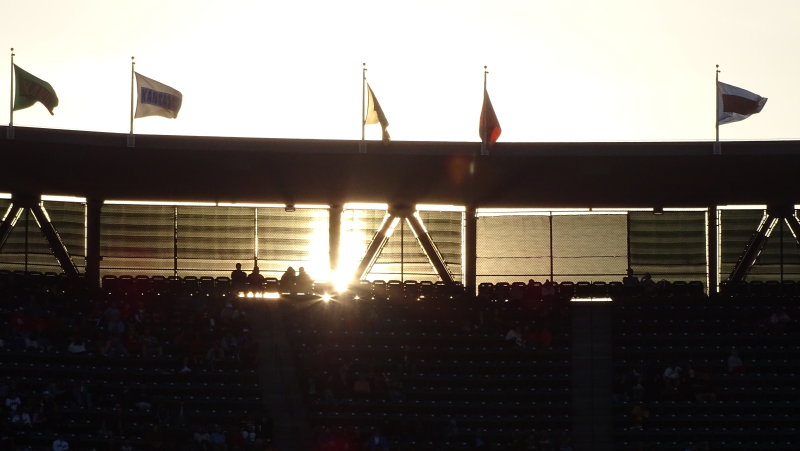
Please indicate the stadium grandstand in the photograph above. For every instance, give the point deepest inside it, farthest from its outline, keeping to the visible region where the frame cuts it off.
(549, 296)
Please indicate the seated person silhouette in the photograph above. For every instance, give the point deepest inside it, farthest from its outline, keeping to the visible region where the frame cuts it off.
(303, 282)
(255, 280)
(288, 281)
(630, 280)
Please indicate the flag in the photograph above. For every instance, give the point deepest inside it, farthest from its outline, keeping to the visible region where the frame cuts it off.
(736, 104)
(489, 129)
(375, 114)
(30, 89)
(156, 99)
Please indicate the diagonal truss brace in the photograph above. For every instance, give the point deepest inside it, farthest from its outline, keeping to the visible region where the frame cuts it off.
(9, 221)
(376, 245)
(429, 247)
(56, 244)
(794, 226)
(423, 238)
(760, 237)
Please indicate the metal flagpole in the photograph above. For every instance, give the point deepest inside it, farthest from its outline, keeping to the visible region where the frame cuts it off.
(362, 148)
(484, 138)
(10, 131)
(717, 147)
(131, 139)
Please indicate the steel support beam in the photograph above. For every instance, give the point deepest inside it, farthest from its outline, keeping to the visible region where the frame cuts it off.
(794, 226)
(9, 221)
(93, 210)
(754, 247)
(429, 247)
(56, 244)
(470, 250)
(334, 235)
(713, 250)
(375, 246)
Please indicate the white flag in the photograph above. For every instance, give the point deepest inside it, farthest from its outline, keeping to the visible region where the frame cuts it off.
(156, 99)
(735, 104)
(375, 114)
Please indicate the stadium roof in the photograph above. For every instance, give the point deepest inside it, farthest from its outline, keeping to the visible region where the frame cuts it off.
(225, 169)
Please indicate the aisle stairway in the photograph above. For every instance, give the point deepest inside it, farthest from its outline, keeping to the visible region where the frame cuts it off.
(280, 387)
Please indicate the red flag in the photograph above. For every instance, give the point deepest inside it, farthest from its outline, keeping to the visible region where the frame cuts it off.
(489, 129)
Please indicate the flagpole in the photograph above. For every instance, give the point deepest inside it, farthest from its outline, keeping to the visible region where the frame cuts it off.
(717, 147)
(10, 131)
(131, 142)
(11, 96)
(362, 148)
(484, 138)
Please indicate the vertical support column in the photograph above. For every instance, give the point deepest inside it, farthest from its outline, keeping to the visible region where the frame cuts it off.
(627, 236)
(255, 236)
(552, 272)
(175, 242)
(334, 235)
(712, 220)
(780, 234)
(93, 209)
(470, 249)
(27, 226)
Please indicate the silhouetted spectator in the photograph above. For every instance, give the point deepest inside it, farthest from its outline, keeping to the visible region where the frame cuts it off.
(113, 347)
(377, 441)
(735, 364)
(630, 280)
(514, 337)
(548, 290)
(151, 346)
(648, 285)
(288, 280)
(672, 376)
(21, 419)
(215, 355)
(303, 282)
(238, 278)
(778, 320)
(218, 439)
(82, 395)
(59, 444)
(113, 318)
(255, 280)
(76, 346)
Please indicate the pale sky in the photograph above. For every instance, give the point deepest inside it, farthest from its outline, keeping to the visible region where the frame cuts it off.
(581, 70)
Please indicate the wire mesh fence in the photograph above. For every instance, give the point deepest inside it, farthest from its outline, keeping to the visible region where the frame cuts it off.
(209, 240)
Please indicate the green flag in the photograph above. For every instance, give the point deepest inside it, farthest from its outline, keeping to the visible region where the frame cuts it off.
(31, 89)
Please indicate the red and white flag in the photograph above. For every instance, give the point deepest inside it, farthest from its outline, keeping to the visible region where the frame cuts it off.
(489, 128)
(736, 104)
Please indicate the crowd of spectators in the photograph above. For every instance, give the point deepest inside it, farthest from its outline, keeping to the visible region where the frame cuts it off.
(357, 380)
(708, 359)
(65, 332)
